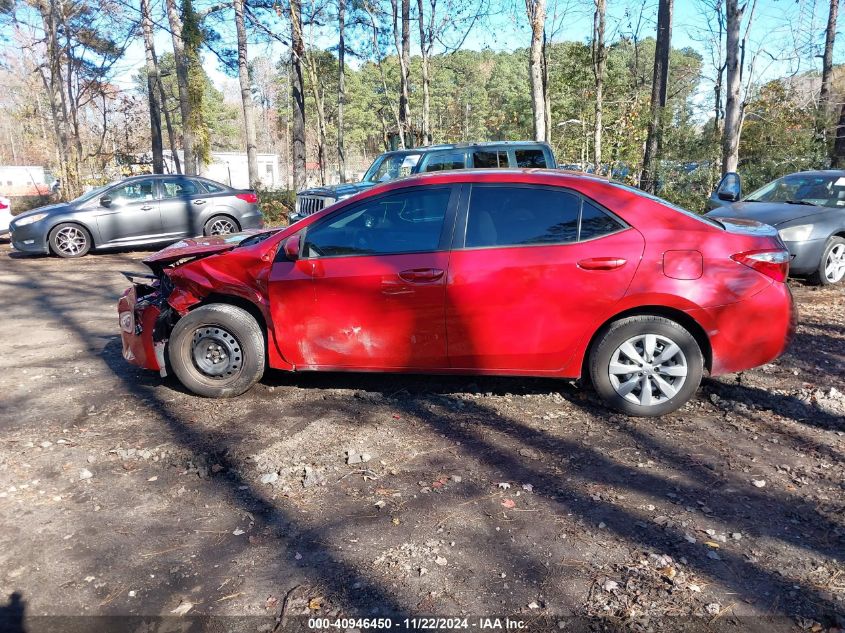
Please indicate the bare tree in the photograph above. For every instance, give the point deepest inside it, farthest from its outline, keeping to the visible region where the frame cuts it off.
(536, 10)
(735, 49)
(403, 50)
(827, 69)
(181, 60)
(152, 87)
(246, 96)
(426, 44)
(370, 10)
(317, 92)
(599, 54)
(298, 96)
(341, 88)
(659, 85)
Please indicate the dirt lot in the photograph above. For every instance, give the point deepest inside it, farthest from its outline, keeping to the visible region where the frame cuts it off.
(121, 494)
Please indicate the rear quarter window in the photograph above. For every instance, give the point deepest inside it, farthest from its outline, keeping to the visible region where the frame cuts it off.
(530, 158)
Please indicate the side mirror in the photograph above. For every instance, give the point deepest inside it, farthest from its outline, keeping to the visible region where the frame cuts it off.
(291, 247)
(730, 188)
(105, 201)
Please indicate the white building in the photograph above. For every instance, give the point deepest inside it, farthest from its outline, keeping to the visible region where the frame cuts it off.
(231, 169)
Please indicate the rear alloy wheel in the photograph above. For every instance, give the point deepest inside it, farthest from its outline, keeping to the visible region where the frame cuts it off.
(70, 240)
(217, 351)
(832, 267)
(646, 365)
(220, 225)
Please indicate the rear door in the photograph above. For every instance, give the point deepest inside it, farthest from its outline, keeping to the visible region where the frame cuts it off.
(531, 269)
(183, 203)
(369, 288)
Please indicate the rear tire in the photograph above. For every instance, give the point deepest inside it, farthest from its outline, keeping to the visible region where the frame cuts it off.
(69, 240)
(217, 351)
(646, 365)
(220, 225)
(832, 266)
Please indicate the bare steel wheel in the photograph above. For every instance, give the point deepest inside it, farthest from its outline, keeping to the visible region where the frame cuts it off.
(70, 240)
(648, 369)
(221, 225)
(217, 350)
(646, 365)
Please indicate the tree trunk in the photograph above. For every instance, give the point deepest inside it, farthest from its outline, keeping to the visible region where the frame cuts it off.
(341, 88)
(152, 88)
(385, 91)
(733, 104)
(536, 10)
(837, 160)
(599, 66)
(403, 50)
(827, 67)
(425, 53)
(659, 84)
(246, 97)
(319, 102)
(298, 96)
(171, 135)
(181, 62)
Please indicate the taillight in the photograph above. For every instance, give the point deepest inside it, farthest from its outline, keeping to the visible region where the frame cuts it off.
(774, 264)
(250, 197)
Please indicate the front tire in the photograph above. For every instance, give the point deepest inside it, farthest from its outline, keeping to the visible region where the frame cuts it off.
(217, 351)
(646, 365)
(832, 266)
(69, 240)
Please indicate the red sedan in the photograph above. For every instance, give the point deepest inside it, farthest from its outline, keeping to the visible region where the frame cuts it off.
(530, 273)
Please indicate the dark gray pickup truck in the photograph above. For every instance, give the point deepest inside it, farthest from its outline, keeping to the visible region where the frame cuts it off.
(392, 165)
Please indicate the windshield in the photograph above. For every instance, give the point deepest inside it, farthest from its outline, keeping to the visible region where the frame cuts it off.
(823, 190)
(85, 197)
(391, 166)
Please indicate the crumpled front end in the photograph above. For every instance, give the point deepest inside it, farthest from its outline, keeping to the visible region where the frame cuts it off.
(145, 317)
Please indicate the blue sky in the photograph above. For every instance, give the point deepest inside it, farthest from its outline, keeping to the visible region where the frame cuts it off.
(777, 26)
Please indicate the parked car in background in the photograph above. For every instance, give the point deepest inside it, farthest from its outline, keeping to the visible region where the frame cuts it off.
(807, 209)
(517, 272)
(136, 211)
(5, 214)
(392, 165)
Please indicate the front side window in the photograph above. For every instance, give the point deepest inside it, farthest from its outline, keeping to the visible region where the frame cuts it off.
(134, 191)
(408, 221)
(530, 158)
(446, 162)
(180, 188)
(521, 216)
(489, 159)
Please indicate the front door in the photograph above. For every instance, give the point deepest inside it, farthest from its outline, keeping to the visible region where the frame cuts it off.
(368, 291)
(131, 213)
(532, 268)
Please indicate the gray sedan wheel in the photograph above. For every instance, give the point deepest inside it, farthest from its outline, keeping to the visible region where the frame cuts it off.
(646, 365)
(832, 267)
(70, 240)
(220, 225)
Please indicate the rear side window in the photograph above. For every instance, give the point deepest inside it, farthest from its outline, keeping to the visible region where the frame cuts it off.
(530, 158)
(524, 216)
(514, 216)
(213, 188)
(407, 221)
(489, 159)
(595, 222)
(444, 162)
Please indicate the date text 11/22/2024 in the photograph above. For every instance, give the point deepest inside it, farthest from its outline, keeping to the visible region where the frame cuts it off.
(417, 624)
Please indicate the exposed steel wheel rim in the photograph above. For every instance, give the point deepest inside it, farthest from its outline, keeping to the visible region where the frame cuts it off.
(70, 240)
(834, 265)
(648, 369)
(222, 226)
(216, 353)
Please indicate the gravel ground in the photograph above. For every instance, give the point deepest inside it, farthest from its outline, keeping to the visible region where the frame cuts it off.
(370, 495)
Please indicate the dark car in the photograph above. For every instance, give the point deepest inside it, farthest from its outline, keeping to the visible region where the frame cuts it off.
(392, 165)
(515, 272)
(807, 209)
(136, 211)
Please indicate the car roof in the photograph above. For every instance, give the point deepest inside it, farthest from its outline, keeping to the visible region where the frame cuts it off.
(816, 172)
(466, 145)
(511, 175)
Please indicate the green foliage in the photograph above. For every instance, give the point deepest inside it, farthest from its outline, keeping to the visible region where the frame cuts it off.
(275, 205)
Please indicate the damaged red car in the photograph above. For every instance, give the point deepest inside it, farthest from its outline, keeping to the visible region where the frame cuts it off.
(525, 273)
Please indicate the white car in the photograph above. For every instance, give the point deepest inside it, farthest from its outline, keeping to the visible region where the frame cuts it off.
(5, 214)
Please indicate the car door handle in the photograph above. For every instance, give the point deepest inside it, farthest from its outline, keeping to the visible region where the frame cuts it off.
(146, 207)
(602, 263)
(421, 275)
(199, 201)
